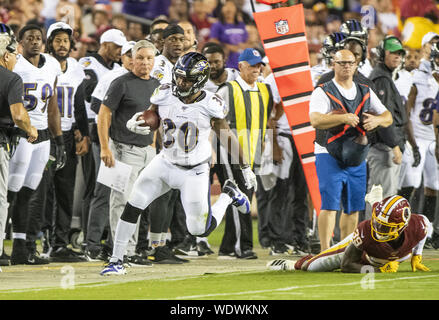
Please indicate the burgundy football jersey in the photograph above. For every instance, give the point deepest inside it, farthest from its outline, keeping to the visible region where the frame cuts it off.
(379, 253)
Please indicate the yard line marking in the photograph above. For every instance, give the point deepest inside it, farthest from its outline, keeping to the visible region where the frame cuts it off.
(295, 288)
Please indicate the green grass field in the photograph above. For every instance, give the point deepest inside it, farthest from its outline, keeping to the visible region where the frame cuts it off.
(212, 279)
(269, 285)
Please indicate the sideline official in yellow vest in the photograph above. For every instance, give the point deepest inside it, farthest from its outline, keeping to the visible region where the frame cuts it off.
(250, 105)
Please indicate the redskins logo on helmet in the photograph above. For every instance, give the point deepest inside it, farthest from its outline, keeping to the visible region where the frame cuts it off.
(389, 218)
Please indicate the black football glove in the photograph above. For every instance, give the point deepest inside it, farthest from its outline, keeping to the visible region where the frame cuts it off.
(416, 156)
(60, 153)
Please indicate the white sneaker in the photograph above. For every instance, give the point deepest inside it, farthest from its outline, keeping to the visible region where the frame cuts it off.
(113, 268)
(280, 264)
(240, 200)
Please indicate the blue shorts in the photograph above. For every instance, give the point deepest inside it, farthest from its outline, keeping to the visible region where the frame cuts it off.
(341, 186)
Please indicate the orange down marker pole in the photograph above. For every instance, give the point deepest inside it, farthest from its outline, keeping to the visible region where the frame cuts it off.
(282, 31)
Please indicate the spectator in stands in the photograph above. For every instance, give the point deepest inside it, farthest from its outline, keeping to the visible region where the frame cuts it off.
(387, 18)
(190, 41)
(158, 23)
(253, 40)
(321, 12)
(179, 11)
(119, 21)
(70, 13)
(418, 8)
(231, 32)
(136, 31)
(200, 19)
(101, 20)
(146, 9)
(333, 23)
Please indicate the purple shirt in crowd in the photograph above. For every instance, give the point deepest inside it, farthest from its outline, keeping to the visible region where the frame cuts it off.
(230, 34)
(146, 9)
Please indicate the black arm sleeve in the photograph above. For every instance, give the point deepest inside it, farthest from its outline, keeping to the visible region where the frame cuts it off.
(95, 104)
(80, 112)
(90, 82)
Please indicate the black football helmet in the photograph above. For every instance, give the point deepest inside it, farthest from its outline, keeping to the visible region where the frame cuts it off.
(353, 28)
(331, 45)
(13, 44)
(192, 66)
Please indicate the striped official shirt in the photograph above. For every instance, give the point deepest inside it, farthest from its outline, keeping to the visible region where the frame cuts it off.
(251, 125)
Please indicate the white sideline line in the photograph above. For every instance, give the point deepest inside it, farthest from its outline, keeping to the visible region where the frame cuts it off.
(295, 288)
(215, 294)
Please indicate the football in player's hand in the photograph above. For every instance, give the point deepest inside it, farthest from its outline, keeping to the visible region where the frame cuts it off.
(339, 128)
(151, 118)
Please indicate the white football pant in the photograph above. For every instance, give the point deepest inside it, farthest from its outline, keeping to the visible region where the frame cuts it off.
(160, 176)
(427, 168)
(27, 165)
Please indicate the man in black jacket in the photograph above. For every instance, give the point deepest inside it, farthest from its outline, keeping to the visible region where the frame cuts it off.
(385, 155)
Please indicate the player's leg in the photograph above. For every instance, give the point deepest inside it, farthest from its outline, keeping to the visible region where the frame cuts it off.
(28, 166)
(353, 198)
(327, 260)
(431, 181)
(4, 171)
(64, 185)
(382, 171)
(195, 198)
(148, 187)
(39, 159)
(202, 217)
(98, 220)
(331, 179)
(137, 158)
(19, 164)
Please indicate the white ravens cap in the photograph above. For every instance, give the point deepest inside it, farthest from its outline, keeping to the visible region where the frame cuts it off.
(59, 26)
(113, 35)
(127, 47)
(428, 37)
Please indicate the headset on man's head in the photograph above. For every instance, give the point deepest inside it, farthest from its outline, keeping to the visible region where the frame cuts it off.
(380, 48)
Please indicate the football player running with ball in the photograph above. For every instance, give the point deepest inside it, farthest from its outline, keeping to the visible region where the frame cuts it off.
(393, 235)
(188, 114)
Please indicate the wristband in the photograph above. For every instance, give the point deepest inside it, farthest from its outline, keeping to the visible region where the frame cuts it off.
(59, 140)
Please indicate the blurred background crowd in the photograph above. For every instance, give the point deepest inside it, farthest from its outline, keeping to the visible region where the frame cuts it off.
(407, 19)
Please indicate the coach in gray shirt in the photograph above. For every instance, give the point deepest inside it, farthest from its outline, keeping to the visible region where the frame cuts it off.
(126, 96)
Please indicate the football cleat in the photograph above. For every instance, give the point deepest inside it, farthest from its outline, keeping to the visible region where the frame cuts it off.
(113, 268)
(203, 248)
(240, 200)
(280, 264)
